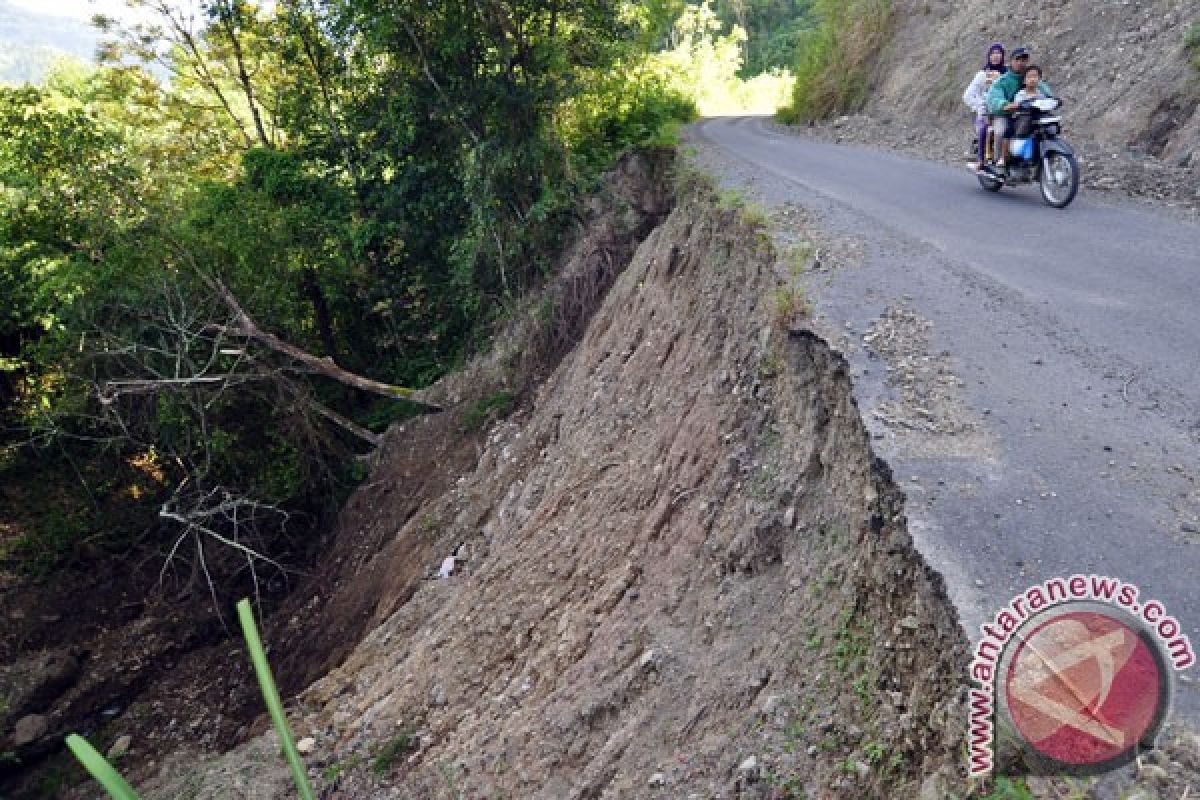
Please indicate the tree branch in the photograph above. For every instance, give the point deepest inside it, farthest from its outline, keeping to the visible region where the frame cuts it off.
(248, 328)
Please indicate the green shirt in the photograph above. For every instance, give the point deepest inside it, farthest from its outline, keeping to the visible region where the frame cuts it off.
(1005, 89)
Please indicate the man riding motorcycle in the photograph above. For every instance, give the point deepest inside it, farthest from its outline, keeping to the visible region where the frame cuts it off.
(1000, 98)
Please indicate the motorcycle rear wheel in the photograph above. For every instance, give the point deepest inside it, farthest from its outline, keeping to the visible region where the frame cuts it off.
(1059, 179)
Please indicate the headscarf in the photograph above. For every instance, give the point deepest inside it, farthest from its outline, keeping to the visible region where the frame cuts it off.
(987, 60)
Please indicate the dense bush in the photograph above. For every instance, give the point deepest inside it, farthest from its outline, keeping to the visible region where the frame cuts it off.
(834, 60)
(372, 193)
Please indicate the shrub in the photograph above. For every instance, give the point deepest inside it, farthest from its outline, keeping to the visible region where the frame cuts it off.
(833, 60)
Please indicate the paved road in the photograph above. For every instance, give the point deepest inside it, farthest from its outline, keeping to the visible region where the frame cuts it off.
(1075, 338)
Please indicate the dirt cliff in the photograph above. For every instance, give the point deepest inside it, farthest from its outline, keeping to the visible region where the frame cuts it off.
(681, 570)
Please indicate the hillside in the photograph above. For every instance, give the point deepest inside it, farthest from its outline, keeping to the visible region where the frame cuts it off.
(1124, 71)
(1122, 68)
(683, 571)
(30, 41)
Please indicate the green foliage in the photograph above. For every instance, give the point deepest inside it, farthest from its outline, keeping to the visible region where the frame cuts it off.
(772, 28)
(788, 302)
(852, 643)
(369, 185)
(627, 105)
(790, 787)
(834, 60)
(1008, 789)
(266, 683)
(705, 63)
(488, 409)
(1191, 41)
(41, 551)
(391, 752)
(331, 772)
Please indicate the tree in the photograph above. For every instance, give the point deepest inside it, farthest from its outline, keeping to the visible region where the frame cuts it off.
(216, 54)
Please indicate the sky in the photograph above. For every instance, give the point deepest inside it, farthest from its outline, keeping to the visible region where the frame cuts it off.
(78, 9)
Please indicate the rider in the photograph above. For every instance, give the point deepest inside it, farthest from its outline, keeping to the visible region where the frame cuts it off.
(974, 96)
(1031, 85)
(1000, 97)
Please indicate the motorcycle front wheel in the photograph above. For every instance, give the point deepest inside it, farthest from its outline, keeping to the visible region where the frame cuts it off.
(1060, 179)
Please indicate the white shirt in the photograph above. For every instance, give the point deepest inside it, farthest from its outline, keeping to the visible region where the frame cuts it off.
(977, 90)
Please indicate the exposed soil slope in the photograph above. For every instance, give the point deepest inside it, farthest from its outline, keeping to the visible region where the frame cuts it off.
(684, 573)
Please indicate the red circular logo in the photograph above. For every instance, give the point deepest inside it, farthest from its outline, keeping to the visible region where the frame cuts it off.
(1085, 688)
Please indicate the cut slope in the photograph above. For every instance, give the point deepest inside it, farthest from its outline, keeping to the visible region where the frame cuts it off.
(684, 572)
(1122, 68)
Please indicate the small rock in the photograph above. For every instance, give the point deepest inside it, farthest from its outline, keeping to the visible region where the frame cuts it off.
(1189, 527)
(789, 517)
(1186, 747)
(649, 661)
(771, 705)
(657, 780)
(29, 729)
(306, 745)
(1142, 793)
(863, 770)
(749, 767)
(812, 750)
(910, 623)
(120, 747)
(1153, 773)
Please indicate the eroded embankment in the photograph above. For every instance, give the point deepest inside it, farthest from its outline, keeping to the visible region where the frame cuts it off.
(684, 573)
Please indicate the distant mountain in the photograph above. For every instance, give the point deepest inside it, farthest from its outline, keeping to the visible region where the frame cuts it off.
(30, 41)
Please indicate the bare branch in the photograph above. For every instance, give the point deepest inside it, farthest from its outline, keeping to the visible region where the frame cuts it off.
(248, 328)
(370, 437)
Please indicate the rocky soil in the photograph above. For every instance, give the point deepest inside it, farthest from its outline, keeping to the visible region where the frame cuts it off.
(680, 572)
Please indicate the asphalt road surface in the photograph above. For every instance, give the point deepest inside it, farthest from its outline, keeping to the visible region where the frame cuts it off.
(1070, 340)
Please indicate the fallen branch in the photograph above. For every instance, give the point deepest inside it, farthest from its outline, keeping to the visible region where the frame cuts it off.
(246, 327)
(370, 437)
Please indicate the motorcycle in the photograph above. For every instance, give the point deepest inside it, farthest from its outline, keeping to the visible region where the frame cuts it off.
(1036, 154)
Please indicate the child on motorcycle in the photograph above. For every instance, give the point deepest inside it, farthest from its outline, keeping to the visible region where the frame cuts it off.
(976, 93)
(1031, 88)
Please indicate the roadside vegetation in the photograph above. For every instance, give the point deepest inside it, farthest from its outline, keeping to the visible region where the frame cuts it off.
(1191, 40)
(834, 58)
(217, 291)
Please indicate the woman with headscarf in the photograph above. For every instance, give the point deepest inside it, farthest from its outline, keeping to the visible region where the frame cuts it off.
(993, 67)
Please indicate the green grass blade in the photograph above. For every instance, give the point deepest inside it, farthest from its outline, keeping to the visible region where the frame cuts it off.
(101, 770)
(271, 695)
